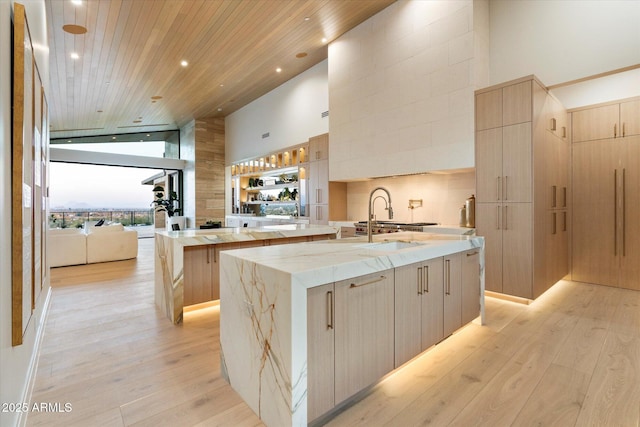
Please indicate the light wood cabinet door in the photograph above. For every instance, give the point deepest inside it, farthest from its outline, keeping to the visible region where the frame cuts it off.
(516, 163)
(489, 165)
(452, 293)
(630, 216)
(594, 236)
(470, 283)
(630, 118)
(488, 225)
(319, 147)
(364, 329)
(320, 350)
(319, 182)
(517, 103)
(432, 302)
(419, 308)
(517, 249)
(197, 274)
(489, 110)
(408, 312)
(596, 123)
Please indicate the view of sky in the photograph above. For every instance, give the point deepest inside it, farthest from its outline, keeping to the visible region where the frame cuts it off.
(90, 186)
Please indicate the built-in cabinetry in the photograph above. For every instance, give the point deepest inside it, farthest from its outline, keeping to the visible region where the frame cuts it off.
(362, 328)
(274, 184)
(202, 268)
(613, 120)
(522, 162)
(606, 194)
(292, 182)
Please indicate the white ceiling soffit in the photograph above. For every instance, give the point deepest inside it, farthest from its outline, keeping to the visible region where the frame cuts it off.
(607, 88)
(111, 159)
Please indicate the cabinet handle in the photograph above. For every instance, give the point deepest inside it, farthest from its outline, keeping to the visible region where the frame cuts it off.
(425, 279)
(554, 191)
(624, 209)
(448, 270)
(615, 212)
(553, 124)
(498, 188)
(319, 212)
(623, 132)
(370, 282)
(472, 253)
(419, 280)
(554, 223)
(330, 310)
(497, 217)
(506, 187)
(564, 221)
(564, 132)
(504, 218)
(318, 195)
(208, 254)
(615, 130)
(564, 197)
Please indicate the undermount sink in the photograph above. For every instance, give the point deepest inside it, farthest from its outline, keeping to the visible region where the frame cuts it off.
(395, 245)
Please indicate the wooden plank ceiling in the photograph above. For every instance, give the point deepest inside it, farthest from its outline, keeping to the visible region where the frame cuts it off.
(132, 50)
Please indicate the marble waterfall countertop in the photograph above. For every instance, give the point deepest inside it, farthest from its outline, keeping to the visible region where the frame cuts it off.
(169, 254)
(323, 262)
(214, 236)
(263, 308)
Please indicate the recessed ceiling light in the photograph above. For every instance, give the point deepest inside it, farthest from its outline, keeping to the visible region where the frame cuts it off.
(184, 63)
(74, 55)
(306, 18)
(278, 70)
(74, 29)
(221, 85)
(324, 40)
(219, 108)
(76, 2)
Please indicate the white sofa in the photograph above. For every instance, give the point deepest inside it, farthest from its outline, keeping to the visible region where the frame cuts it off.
(67, 246)
(111, 243)
(73, 246)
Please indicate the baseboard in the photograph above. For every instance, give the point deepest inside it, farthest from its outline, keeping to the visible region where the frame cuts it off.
(35, 357)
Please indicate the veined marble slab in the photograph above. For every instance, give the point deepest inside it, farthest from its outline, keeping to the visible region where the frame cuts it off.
(263, 309)
(169, 255)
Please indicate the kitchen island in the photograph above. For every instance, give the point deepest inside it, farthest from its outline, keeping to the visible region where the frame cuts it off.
(305, 327)
(187, 262)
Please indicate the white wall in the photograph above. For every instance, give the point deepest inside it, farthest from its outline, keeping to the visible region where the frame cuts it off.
(562, 40)
(16, 363)
(291, 114)
(442, 197)
(401, 89)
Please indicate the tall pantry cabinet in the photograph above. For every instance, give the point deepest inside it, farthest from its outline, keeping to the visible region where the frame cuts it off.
(522, 163)
(606, 197)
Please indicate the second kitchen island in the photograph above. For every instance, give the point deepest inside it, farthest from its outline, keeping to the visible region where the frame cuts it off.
(305, 327)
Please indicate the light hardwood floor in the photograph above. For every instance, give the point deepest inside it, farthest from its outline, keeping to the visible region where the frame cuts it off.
(572, 358)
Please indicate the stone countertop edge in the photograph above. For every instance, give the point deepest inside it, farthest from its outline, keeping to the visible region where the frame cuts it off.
(318, 263)
(240, 234)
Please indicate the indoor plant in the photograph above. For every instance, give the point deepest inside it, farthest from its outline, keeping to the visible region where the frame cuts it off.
(167, 205)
